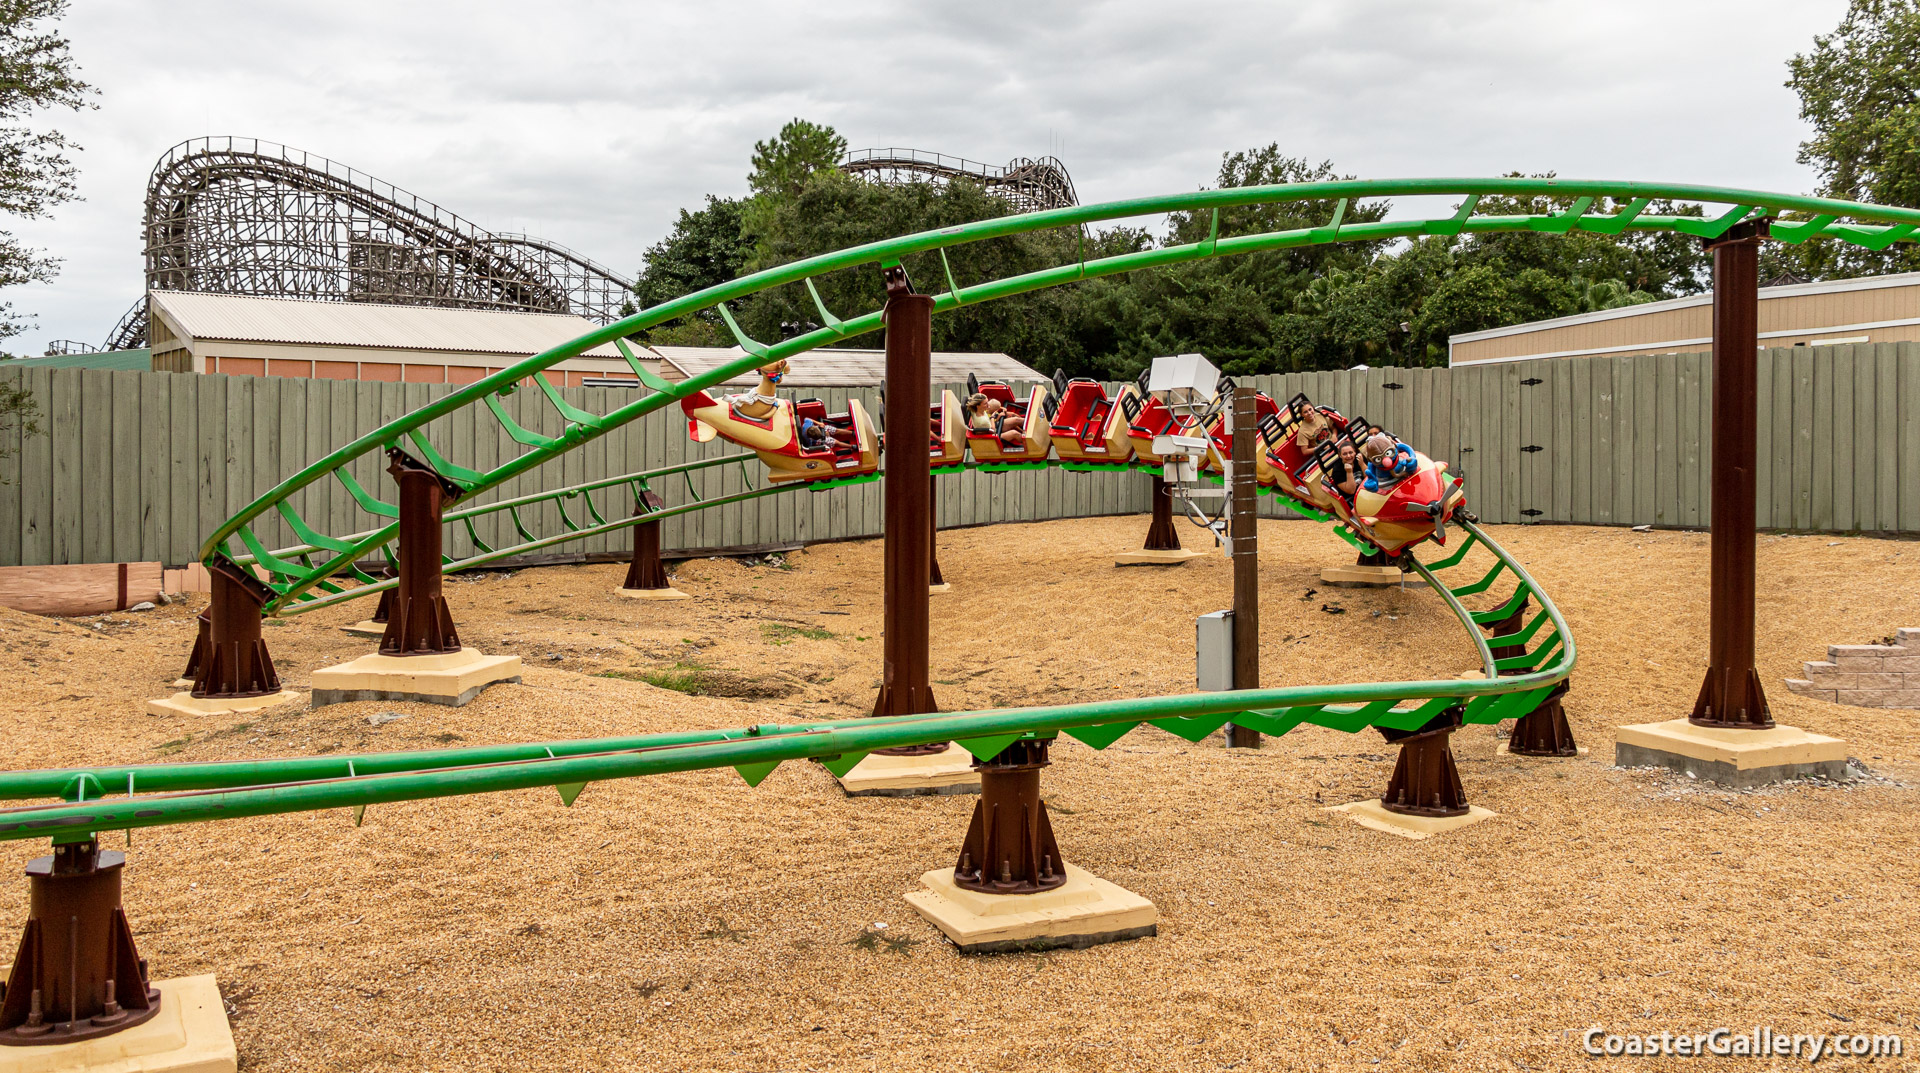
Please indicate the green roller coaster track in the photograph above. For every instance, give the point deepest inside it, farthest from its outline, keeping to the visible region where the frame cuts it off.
(124, 797)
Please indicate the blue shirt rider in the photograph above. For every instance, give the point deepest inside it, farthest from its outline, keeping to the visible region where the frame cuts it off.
(1387, 463)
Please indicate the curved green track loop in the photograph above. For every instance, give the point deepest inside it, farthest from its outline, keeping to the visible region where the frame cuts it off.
(1866, 225)
(123, 797)
(109, 798)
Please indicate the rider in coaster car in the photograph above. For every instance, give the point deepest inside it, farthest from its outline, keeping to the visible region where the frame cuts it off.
(991, 415)
(1314, 429)
(1344, 473)
(818, 434)
(1387, 462)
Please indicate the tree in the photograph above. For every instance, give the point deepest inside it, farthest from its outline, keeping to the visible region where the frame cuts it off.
(781, 166)
(705, 249)
(36, 73)
(1858, 87)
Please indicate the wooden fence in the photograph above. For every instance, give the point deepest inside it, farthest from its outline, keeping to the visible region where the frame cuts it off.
(134, 466)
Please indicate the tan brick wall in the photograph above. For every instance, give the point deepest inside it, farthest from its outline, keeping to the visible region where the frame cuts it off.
(1868, 676)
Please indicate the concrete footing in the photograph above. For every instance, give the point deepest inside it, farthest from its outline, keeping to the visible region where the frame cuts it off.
(1166, 557)
(185, 703)
(1728, 757)
(668, 593)
(950, 772)
(190, 1034)
(1375, 817)
(368, 628)
(1084, 911)
(453, 678)
(935, 590)
(1361, 577)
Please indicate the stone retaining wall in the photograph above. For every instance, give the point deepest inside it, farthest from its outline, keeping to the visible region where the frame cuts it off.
(1871, 676)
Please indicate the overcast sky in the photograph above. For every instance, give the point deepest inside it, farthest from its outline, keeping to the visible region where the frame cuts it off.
(591, 124)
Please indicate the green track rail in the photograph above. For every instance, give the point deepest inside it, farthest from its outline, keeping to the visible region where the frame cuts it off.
(307, 578)
(123, 797)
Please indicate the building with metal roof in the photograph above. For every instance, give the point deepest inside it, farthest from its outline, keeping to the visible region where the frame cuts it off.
(843, 367)
(1873, 309)
(246, 335)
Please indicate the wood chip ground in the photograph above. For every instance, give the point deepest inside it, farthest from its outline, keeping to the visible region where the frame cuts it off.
(691, 923)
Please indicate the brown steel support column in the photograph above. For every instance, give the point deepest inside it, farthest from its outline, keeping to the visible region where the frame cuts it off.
(1009, 847)
(77, 974)
(383, 610)
(1244, 535)
(1161, 535)
(933, 531)
(1545, 730)
(1425, 780)
(420, 623)
(1731, 695)
(646, 571)
(234, 661)
(904, 686)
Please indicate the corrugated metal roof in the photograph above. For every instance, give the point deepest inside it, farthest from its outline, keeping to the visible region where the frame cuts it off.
(848, 368)
(245, 318)
(110, 359)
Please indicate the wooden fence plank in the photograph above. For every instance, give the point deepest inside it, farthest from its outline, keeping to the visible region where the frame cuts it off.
(1909, 443)
(11, 485)
(1577, 449)
(1887, 488)
(1666, 428)
(1803, 451)
(1600, 466)
(1832, 467)
(1865, 440)
(1687, 439)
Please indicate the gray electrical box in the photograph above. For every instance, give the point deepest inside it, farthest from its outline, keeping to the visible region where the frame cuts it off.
(1213, 651)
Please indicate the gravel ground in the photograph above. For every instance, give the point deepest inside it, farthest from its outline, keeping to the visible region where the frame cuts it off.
(690, 923)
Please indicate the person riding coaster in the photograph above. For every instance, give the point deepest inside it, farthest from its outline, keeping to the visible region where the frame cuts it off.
(1298, 441)
(1087, 426)
(797, 441)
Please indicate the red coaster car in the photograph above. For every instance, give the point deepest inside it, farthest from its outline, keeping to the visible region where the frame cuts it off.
(1399, 513)
(841, 445)
(947, 439)
(986, 443)
(1222, 448)
(1087, 427)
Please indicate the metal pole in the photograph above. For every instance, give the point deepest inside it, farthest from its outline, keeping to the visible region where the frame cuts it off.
(235, 662)
(1243, 534)
(646, 571)
(1731, 695)
(1161, 535)
(904, 686)
(420, 623)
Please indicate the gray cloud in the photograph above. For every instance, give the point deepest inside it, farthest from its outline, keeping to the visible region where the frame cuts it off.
(593, 123)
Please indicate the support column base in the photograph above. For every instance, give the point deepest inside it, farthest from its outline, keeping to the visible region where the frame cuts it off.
(1158, 557)
(1361, 577)
(935, 590)
(190, 1034)
(668, 593)
(950, 772)
(368, 628)
(452, 679)
(185, 703)
(1375, 817)
(1741, 759)
(1084, 911)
